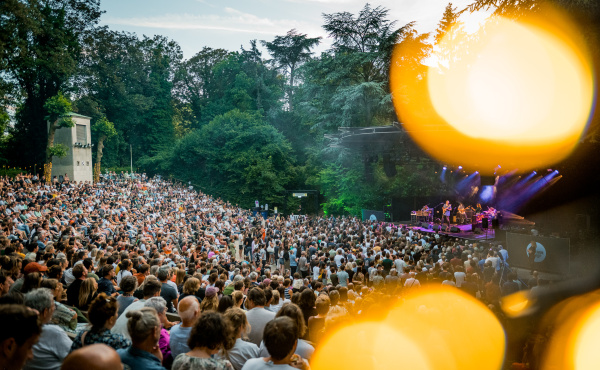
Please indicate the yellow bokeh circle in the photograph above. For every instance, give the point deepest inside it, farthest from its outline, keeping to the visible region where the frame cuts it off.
(518, 94)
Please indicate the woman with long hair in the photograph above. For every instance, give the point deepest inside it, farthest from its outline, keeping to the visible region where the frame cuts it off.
(87, 293)
(210, 301)
(103, 315)
(124, 270)
(31, 281)
(242, 350)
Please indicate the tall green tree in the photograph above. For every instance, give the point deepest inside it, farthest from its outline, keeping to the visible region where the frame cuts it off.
(237, 156)
(57, 108)
(40, 52)
(130, 82)
(195, 85)
(288, 53)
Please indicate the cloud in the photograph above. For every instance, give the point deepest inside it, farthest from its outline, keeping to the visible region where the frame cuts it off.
(232, 20)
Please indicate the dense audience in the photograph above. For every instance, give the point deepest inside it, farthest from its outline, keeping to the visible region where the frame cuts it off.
(169, 277)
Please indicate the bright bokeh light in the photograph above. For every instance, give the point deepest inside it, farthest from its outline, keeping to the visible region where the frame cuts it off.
(574, 341)
(585, 352)
(518, 94)
(432, 328)
(369, 345)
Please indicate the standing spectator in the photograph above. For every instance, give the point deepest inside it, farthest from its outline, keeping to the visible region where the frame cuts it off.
(103, 316)
(257, 315)
(211, 333)
(144, 329)
(20, 331)
(189, 311)
(54, 344)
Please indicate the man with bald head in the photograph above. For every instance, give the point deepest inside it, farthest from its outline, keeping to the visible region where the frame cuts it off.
(189, 311)
(93, 357)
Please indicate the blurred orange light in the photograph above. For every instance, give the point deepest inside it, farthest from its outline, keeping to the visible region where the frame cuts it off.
(433, 328)
(519, 95)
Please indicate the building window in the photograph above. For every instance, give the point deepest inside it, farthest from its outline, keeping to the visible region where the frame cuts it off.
(77, 163)
(87, 163)
(81, 131)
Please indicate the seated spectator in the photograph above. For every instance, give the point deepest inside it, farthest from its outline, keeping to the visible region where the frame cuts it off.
(79, 274)
(93, 357)
(211, 333)
(125, 268)
(20, 331)
(151, 289)
(168, 292)
(63, 316)
(103, 316)
(54, 344)
(281, 338)
(257, 315)
(210, 301)
(159, 304)
(190, 287)
(5, 282)
(105, 284)
(189, 311)
(242, 350)
(128, 286)
(303, 348)
(225, 303)
(31, 281)
(317, 323)
(87, 293)
(144, 329)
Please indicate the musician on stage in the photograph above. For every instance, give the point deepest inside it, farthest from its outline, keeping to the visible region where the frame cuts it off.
(462, 215)
(478, 209)
(446, 209)
(426, 212)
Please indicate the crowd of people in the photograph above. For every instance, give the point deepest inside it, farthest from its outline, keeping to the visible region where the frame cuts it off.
(143, 273)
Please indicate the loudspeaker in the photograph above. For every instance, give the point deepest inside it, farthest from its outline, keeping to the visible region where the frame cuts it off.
(444, 227)
(425, 225)
(436, 227)
(495, 224)
(484, 223)
(477, 231)
(454, 229)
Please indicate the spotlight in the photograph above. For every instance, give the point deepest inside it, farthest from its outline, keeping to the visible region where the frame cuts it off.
(460, 167)
(549, 169)
(444, 168)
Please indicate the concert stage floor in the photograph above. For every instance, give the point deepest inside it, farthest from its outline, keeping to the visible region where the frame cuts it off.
(465, 232)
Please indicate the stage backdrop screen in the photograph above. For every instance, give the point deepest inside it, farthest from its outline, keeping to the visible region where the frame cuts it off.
(368, 214)
(552, 254)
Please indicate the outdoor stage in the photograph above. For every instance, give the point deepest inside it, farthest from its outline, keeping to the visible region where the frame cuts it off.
(464, 231)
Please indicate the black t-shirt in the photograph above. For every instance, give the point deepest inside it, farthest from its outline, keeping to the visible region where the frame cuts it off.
(73, 292)
(169, 294)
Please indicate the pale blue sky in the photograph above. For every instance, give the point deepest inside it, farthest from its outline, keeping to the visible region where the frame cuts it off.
(229, 24)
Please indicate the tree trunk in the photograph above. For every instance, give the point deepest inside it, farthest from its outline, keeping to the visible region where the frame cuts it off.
(100, 147)
(50, 143)
(290, 104)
